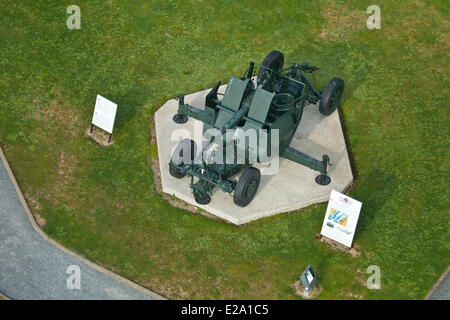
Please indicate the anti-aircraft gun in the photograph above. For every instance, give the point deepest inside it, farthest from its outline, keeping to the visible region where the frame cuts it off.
(272, 106)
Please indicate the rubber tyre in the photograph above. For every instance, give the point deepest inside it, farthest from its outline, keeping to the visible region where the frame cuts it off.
(241, 197)
(327, 106)
(186, 146)
(203, 200)
(274, 60)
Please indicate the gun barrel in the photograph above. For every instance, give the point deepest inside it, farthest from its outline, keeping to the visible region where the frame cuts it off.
(237, 117)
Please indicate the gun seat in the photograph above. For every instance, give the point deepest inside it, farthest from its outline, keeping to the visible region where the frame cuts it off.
(255, 120)
(260, 105)
(232, 99)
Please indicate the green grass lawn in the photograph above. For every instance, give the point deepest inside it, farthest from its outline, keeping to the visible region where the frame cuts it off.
(102, 203)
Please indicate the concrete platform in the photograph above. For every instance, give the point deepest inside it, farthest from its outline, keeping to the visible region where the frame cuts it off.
(292, 188)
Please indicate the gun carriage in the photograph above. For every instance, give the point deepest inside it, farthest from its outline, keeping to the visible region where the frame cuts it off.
(272, 104)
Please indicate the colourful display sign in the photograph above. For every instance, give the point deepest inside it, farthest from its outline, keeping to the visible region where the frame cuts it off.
(341, 218)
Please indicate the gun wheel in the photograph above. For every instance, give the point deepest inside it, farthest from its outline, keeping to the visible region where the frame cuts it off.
(274, 60)
(184, 153)
(331, 96)
(247, 186)
(205, 199)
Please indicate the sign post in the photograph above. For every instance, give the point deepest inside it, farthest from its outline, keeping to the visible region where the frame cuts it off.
(341, 218)
(104, 115)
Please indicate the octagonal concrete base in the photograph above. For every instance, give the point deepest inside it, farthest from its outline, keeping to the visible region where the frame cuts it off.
(292, 188)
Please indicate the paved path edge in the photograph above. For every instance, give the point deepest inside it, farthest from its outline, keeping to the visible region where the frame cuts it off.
(2, 296)
(437, 284)
(59, 246)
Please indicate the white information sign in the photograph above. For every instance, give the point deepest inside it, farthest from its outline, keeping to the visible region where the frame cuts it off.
(104, 114)
(341, 218)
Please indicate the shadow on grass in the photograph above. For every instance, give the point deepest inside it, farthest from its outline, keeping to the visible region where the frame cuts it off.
(130, 103)
(343, 65)
(376, 189)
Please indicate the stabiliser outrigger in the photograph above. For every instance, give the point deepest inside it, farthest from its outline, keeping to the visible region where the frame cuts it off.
(276, 102)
